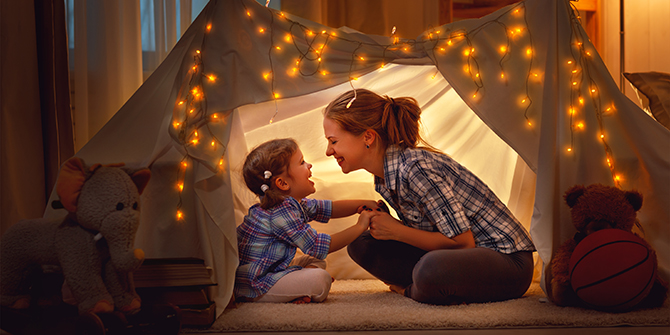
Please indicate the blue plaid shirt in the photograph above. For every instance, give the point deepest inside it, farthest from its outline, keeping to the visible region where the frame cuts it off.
(267, 242)
(430, 191)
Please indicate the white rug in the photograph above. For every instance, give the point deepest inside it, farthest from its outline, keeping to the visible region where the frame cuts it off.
(369, 305)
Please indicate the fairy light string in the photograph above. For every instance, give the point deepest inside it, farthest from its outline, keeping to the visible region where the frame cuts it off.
(579, 66)
(303, 51)
(191, 125)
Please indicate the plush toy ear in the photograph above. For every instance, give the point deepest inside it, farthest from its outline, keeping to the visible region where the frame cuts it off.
(141, 179)
(635, 199)
(572, 194)
(70, 181)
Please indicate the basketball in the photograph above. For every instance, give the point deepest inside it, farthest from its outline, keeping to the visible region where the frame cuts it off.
(612, 270)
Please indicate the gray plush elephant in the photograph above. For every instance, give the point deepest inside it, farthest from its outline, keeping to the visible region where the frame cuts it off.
(93, 245)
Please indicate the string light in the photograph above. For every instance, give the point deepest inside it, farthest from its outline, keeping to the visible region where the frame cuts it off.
(312, 60)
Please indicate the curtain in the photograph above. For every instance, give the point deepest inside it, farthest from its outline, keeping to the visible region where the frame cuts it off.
(35, 126)
(113, 54)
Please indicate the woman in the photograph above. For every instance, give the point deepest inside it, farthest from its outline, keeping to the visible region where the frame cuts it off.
(455, 242)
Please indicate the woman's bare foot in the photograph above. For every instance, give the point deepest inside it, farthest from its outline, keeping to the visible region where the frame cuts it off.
(302, 300)
(397, 289)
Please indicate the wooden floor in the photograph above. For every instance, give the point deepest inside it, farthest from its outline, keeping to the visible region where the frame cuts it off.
(523, 331)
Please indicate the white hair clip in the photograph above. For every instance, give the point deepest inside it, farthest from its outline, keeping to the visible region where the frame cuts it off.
(265, 188)
(267, 174)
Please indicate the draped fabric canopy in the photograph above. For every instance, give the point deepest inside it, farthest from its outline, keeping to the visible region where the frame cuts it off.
(519, 96)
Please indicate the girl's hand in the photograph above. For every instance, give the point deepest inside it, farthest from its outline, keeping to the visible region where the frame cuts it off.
(384, 227)
(364, 218)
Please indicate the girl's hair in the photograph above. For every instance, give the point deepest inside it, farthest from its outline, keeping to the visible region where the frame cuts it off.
(396, 120)
(274, 156)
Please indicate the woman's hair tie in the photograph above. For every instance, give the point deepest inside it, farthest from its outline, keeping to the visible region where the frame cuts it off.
(265, 188)
(267, 174)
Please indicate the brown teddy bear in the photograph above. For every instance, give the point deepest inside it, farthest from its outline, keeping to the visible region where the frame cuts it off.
(92, 244)
(593, 208)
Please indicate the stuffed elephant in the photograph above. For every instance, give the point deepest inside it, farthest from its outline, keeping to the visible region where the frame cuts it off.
(93, 245)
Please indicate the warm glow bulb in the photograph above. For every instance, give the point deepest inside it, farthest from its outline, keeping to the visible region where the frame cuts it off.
(181, 186)
(323, 73)
(209, 27)
(180, 215)
(181, 103)
(287, 38)
(276, 95)
(197, 51)
(581, 100)
(261, 30)
(503, 48)
(449, 42)
(569, 149)
(529, 51)
(248, 13)
(211, 77)
(278, 47)
(213, 143)
(502, 75)
(191, 111)
(580, 125)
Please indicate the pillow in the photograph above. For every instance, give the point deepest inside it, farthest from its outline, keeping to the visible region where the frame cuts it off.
(653, 90)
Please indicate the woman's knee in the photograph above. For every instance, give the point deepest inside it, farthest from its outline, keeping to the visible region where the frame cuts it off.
(358, 248)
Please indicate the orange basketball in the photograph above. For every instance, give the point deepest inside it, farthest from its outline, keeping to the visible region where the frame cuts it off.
(612, 270)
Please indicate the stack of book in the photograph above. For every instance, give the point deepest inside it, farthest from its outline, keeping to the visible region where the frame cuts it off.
(183, 282)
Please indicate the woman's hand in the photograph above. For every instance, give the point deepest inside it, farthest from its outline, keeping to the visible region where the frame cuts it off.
(367, 204)
(384, 227)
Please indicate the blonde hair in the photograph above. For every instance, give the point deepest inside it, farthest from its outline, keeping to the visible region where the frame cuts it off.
(273, 156)
(396, 120)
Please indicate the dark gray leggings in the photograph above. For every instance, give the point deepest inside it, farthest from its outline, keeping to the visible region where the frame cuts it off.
(447, 276)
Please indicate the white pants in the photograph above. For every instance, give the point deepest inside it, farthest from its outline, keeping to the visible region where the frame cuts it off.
(307, 282)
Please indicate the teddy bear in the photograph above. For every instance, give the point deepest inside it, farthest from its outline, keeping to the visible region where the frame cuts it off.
(93, 245)
(592, 208)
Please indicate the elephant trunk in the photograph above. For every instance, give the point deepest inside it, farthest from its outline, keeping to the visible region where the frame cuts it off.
(124, 256)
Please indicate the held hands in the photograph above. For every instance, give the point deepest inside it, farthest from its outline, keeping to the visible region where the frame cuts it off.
(384, 227)
(365, 217)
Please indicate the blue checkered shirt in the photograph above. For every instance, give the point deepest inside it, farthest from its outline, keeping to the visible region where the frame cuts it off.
(430, 191)
(267, 242)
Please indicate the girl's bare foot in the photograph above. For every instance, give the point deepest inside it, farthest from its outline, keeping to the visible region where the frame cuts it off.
(302, 300)
(397, 289)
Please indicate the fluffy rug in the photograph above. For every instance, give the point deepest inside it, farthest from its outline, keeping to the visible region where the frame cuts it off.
(369, 305)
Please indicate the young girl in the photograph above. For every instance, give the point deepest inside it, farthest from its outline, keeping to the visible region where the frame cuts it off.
(272, 231)
(455, 241)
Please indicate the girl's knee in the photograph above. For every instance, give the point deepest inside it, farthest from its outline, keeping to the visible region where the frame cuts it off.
(321, 287)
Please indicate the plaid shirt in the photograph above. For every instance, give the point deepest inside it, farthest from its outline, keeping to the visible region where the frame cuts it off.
(267, 242)
(432, 192)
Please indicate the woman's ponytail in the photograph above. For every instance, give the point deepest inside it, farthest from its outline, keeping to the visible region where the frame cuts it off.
(396, 120)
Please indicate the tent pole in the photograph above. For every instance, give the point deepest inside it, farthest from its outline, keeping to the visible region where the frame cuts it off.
(622, 53)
